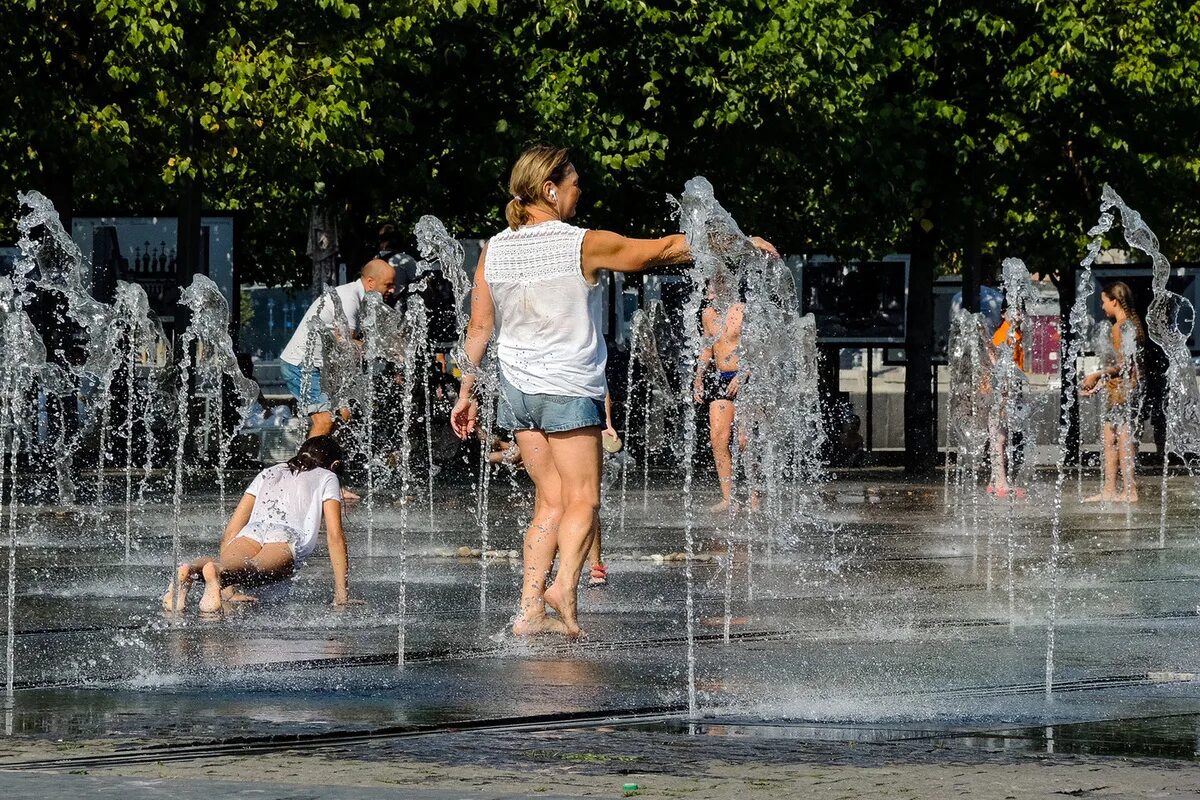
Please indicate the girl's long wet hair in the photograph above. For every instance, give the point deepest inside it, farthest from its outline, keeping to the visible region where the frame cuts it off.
(318, 451)
(1123, 295)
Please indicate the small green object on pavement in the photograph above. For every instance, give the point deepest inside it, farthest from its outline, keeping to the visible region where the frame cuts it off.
(630, 787)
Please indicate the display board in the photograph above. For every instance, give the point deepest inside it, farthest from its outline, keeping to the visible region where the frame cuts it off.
(856, 303)
(143, 250)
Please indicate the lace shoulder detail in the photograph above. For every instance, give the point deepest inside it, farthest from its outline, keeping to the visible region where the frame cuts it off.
(534, 253)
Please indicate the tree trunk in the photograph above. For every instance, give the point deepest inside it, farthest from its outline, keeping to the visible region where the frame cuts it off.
(970, 271)
(920, 422)
(189, 245)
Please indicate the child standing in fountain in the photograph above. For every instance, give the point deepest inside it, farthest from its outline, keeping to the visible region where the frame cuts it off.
(536, 288)
(717, 381)
(1008, 375)
(1121, 380)
(274, 530)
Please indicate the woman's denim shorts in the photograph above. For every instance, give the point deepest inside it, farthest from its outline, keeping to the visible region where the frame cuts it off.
(551, 413)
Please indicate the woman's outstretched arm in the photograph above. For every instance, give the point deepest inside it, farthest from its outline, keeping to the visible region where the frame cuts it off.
(608, 250)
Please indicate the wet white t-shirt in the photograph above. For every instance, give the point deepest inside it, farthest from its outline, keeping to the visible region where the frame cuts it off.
(291, 503)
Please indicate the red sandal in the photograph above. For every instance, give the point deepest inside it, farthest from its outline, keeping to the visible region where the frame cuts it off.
(598, 576)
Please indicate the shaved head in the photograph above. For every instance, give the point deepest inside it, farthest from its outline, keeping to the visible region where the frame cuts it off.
(377, 269)
(378, 276)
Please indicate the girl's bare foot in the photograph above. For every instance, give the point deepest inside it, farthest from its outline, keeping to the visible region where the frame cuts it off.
(1103, 497)
(211, 601)
(719, 508)
(537, 625)
(174, 599)
(564, 604)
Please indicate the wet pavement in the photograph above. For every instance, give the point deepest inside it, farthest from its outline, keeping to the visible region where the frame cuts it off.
(866, 606)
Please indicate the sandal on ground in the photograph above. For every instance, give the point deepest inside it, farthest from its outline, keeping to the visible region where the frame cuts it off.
(598, 575)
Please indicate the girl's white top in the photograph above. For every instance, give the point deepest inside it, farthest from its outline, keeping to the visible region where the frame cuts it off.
(550, 338)
(290, 503)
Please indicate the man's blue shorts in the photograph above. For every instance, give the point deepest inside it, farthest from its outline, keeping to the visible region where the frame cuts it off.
(317, 400)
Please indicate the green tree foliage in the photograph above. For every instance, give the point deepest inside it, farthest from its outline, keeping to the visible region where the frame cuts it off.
(259, 100)
(1005, 118)
(828, 125)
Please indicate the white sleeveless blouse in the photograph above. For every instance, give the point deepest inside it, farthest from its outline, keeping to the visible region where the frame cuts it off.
(550, 338)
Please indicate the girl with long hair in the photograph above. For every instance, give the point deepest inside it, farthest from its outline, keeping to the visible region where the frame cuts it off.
(1121, 380)
(273, 531)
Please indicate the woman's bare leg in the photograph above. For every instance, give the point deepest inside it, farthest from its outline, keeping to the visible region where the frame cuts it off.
(594, 548)
(720, 427)
(999, 458)
(541, 537)
(577, 456)
(177, 589)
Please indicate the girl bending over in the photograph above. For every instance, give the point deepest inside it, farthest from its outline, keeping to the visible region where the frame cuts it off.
(274, 530)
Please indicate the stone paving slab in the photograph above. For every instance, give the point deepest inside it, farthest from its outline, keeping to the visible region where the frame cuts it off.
(53, 786)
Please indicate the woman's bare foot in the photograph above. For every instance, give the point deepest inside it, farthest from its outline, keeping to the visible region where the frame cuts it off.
(173, 600)
(211, 601)
(537, 625)
(564, 604)
(1103, 497)
(719, 508)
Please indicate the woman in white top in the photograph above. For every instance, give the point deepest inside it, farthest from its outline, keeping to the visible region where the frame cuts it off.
(274, 530)
(536, 288)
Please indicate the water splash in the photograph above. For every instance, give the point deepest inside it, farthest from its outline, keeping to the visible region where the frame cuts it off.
(206, 356)
(383, 339)
(646, 377)
(215, 362)
(1169, 323)
(436, 245)
(779, 409)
